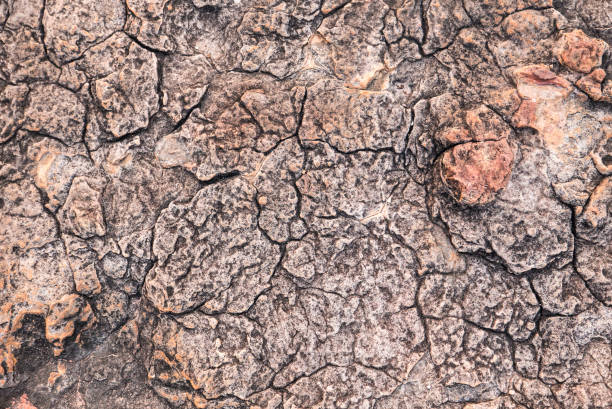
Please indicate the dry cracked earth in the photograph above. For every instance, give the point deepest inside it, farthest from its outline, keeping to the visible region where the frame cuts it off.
(305, 204)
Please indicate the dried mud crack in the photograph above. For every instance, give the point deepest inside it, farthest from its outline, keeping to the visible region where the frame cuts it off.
(261, 204)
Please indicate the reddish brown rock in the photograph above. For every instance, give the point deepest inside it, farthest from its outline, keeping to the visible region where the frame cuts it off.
(579, 52)
(542, 108)
(61, 322)
(593, 84)
(474, 172)
(22, 403)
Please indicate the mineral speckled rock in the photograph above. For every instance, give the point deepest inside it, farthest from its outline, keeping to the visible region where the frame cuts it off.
(372, 204)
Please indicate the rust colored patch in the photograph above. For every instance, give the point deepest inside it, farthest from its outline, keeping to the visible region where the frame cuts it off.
(540, 75)
(543, 108)
(22, 403)
(473, 172)
(579, 52)
(592, 85)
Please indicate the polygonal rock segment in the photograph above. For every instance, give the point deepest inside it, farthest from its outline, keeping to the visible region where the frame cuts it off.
(562, 291)
(532, 393)
(590, 380)
(526, 226)
(565, 341)
(352, 386)
(12, 105)
(470, 58)
(124, 84)
(277, 194)
(55, 111)
(310, 325)
(408, 14)
(594, 223)
(55, 167)
(343, 257)
(82, 261)
(492, 12)
(579, 52)
(142, 190)
(24, 13)
(444, 121)
(594, 264)
(217, 356)
(595, 86)
(483, 295)
(71, 27)
(398, 344)
(23, 55)
(527, 38)
(357, 25)
(467, 355)
(242, 118)
(273, 37)
(185, 79)
(82, 212)
(358, 184)
(408, 219)
(474, 172)
(590, 12)
(444, 20)
(207, 151)
(350, 119)
(210, 252)
(188, 28)
(422, 387)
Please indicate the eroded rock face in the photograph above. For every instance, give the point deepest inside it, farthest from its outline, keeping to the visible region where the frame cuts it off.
(197, 266)
(305, 204)
(71, 27)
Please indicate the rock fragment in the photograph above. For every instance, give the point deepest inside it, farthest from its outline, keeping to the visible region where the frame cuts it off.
(474, 172)
(579, 52)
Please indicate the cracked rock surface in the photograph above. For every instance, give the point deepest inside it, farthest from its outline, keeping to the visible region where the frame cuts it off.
(371, 204)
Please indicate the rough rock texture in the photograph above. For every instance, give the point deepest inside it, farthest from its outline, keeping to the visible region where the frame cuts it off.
(305, 204)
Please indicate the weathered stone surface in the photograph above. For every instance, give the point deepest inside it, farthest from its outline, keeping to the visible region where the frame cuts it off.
(71, 27)
(483, 296)
(234, 128)
(82, 213)
(185, 80)
(124, 83)
(210, 252)
(498, 229)
(12, 101)
(305, 204)
(351, 120)
(55, 111)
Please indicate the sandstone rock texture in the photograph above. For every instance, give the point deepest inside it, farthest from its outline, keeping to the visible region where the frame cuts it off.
(292, 204)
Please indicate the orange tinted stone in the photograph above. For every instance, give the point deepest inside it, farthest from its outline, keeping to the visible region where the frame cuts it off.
(473, 172)
(592, 85)
(579, 52)
(22, 403)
